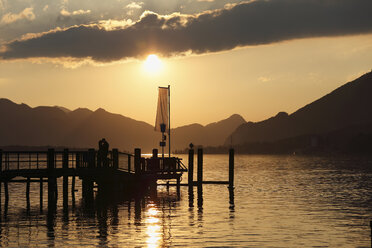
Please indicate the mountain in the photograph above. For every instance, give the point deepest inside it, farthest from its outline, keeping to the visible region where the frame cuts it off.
(22, 125)
(213, 134)
(346, 108)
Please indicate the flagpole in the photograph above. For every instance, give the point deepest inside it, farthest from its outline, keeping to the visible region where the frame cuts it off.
(169, 127)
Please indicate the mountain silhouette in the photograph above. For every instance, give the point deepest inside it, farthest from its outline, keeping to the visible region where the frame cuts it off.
(213, 134)
(346, 108)
(22, 125)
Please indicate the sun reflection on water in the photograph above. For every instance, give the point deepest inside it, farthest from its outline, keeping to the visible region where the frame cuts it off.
(153, 230)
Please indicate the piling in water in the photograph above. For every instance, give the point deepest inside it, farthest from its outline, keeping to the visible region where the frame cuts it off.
(200, 166)
(137, 161)
(65, 179)
(28, 194)
(191, 168)
(231, 168)
(115, 158)
(51, 179)
(41, 194)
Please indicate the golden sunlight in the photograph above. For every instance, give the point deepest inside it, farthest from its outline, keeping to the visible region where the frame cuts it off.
(152, 64)
(153, 228)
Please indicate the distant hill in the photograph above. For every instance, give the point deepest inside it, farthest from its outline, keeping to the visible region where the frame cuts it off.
(57, 126)
(346, 111)
(213, 134)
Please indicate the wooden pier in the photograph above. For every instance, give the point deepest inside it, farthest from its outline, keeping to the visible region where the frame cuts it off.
(119, 172)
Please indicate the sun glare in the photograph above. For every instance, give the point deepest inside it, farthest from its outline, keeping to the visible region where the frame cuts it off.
(152, 64)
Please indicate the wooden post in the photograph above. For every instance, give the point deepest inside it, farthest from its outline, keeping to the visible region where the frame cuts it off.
(115, 158)
(51, 178)
(6, 192)
(41, 194)
(370, 224)
(6, 198)
(200, 166)
(65, 178)
(91, 158)
(28, 194)
(191, 168)
(137, 160)
(87, 183)
(73, 191)
(129, 158)
(1, 160)
(231, 168)
(231, 199)
(178, 186)
(77, 160)
(1, 169)
(200, 198)
(191, 197)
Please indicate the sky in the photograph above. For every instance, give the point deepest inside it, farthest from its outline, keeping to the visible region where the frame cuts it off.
(253, 58)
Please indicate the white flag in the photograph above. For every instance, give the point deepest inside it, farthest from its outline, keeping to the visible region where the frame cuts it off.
(162, 112)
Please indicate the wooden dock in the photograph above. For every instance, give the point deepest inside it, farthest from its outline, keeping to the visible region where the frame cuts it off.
(119, 171)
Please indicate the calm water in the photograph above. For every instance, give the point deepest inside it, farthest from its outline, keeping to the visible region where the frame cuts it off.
(278, 201)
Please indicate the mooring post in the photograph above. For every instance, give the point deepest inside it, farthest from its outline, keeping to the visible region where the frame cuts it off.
(73, 191)
(191, 196)
(1, 169)
(200, 166)
(200, 198)
(231, 168)
(51, 179)
(370, 224)
(115, 158)
(77, 165)
(6, 197)
(92, 158)
(28, 193)
(77, 160)
(1, 160)
(178, 187)
(87, 183)
(129, 158)
(65, 178)
(137, 161)
(191, 168)
(6, 192)
(41, 194)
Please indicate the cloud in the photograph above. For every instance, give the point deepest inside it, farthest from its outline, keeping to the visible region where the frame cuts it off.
(65, 12)
(245, 24)
(2, 5)
(134, 5)
(27, 14)
(264, 79)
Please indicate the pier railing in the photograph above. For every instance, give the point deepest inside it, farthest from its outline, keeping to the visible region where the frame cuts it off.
(23, 160)
(126, 162)
(35, 160)
(89, 159)
(162, 165)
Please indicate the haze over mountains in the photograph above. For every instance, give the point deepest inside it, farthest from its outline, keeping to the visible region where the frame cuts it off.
(341, 120)
(57, 126)
(339, 117)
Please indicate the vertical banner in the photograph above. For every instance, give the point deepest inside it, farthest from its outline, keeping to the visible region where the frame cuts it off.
(162, 112)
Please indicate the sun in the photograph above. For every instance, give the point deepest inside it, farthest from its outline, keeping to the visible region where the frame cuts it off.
(152, 64)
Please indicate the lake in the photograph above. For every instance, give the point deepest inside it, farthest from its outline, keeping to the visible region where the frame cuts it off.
(278, 201)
